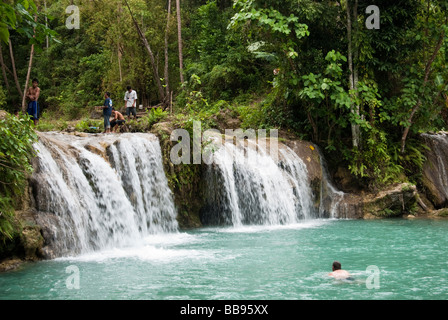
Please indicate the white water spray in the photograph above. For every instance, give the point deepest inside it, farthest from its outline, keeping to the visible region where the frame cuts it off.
(87, 203)
(245, 186)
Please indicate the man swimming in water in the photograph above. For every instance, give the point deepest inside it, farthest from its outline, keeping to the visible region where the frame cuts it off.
(338, 273)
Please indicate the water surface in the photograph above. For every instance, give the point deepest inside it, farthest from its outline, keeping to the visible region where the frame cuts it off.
(251, 263)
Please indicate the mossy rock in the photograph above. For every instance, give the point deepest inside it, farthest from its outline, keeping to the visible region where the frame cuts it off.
(32, 242)
(10, 264)
(391, 203)
(184, 180)
(441, 213)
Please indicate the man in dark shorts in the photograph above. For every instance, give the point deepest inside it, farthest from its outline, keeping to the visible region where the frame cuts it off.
(107, 112)
(32, 95)
(117, 121)
(131, 102)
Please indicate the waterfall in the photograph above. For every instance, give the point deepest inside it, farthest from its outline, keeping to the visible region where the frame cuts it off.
(245, 186)
(332, 202)
(100, 192)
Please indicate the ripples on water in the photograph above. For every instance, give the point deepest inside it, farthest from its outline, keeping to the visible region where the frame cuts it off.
(254, 262)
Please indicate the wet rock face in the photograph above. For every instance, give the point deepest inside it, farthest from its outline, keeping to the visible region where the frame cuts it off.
(10, 264)
(393, 202)
(32, 241)
(3, 114)
(309, 153)
(435, 170)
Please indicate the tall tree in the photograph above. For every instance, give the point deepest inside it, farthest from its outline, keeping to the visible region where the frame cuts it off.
(433, 31)
(119, 54)
(162, 95)
(427, 72)
(28, 74)
(14, 71)
(179, 39)
(2, 62)
(352, 53)
(166, 71)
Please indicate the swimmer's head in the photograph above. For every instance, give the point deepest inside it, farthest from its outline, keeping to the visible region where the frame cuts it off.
(336, 265)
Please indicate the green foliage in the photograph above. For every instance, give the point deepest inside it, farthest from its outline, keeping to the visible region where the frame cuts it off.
(270, 19)
(219, 56)
(16, 149)
(373, 164)
(325, 97)
(20, 17)
(2, 98)
(7, 224)
(413, 160)
(231, 49)
(90, 126)
(261, 114)
(154, 116)
(46, 125)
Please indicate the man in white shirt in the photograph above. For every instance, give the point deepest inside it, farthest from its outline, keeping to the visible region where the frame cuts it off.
(131, 102)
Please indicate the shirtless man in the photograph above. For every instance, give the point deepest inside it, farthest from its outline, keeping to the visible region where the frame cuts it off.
(118, 120)
(33, 106)
(338, 273)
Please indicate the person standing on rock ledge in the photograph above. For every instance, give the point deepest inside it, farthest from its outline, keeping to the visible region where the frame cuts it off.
(32, 95)
(107, 112)
(131, 99)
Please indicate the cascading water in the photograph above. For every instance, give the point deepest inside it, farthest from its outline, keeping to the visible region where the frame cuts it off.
(245, 186)
(100, 192)
(332, 203)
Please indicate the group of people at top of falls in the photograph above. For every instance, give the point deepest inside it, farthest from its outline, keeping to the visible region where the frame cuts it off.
(32, 95)
(109, 111)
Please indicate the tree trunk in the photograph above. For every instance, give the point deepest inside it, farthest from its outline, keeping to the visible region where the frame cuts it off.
(5, 78)
(119, 62)
(28, 74)
(425, 82)
(353, 77)
(47, 44)
(14, 72)
(167, 81)
(119, 55)
(151, 56)
(314, 126)
(356, 76)
(179, 36)
(171, 102)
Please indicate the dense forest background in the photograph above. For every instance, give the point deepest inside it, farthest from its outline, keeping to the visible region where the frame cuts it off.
(312, 68)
